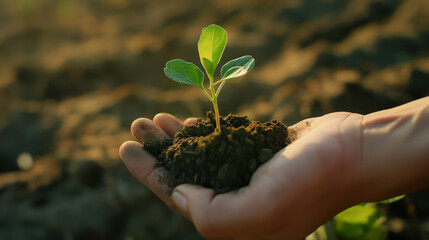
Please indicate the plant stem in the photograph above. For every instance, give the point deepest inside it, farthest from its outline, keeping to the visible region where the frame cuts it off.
(217, 82)
(219, 88)
(216, 113)
(214, 100)
(207, 94)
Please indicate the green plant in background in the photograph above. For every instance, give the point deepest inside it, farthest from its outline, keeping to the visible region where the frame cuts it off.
(360, 222)
(210, 47)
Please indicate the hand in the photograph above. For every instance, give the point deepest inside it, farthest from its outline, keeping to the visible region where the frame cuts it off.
(299, 189)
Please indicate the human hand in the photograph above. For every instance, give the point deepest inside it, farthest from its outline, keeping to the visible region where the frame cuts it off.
(300, 188)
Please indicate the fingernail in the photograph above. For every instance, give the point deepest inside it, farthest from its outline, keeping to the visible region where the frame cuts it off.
(180, 201)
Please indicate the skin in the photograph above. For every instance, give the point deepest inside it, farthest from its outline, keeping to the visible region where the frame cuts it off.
(336, 161)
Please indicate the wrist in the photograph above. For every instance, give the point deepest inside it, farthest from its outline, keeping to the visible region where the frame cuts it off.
(395, 151)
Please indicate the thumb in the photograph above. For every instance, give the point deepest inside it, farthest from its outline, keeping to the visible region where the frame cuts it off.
(194, 202)
(223, 215)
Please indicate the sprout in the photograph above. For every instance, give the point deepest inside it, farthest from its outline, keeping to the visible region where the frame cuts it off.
(210, 47)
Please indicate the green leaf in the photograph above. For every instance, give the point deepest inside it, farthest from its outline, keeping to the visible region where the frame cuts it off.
(237, 67)
(360, 222)
(184, 72)
(208, 66)
(210, 46)
(391, 200)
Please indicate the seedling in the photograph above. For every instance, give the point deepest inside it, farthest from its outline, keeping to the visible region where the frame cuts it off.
(210, 47)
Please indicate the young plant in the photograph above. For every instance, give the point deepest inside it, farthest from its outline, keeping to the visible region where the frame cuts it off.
(210, 47)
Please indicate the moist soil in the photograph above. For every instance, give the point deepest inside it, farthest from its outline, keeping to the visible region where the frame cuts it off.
(223, 161)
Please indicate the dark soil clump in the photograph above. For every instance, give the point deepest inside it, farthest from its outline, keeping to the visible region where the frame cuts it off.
(223, 161)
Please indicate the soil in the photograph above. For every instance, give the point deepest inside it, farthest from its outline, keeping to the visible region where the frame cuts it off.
(223, 161)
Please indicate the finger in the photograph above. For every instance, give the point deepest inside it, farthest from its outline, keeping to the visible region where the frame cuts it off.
(301, 128)
(181, 201)
(224, 215)
(193, 198)
(328, 117)
(144, 128)
(309, 123)
(162, 190)
(167, 122)
(139, 164)
(142, 165)
(190, 121)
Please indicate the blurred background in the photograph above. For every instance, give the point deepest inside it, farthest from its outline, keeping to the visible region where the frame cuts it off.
(74, 74)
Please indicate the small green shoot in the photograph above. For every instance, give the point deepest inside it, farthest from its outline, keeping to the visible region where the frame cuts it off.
(210, 47)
